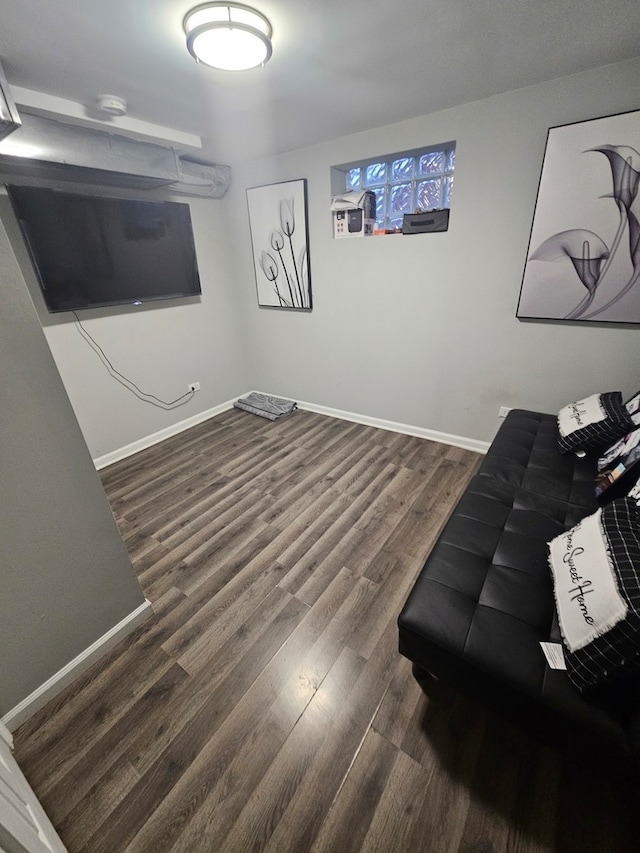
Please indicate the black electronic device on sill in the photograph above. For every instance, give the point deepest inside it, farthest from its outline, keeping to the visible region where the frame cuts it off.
(425, 223)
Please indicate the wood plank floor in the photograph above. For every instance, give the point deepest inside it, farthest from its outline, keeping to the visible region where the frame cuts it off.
(264, 707)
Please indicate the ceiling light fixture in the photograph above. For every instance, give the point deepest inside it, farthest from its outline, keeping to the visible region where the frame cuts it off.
(228, 36)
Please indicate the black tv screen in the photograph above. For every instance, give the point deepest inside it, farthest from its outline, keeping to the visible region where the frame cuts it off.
(90, 251)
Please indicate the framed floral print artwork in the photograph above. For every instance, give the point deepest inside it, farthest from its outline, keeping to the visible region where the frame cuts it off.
(583, 262)
(280, 244)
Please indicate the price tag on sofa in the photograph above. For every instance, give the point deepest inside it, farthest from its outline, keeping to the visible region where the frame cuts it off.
(554, 655)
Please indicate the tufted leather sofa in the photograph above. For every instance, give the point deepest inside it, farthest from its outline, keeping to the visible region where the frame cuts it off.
(484, 600)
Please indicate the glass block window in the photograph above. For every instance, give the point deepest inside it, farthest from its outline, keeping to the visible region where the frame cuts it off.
(421, 180)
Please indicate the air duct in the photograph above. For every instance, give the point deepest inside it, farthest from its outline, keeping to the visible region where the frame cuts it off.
(43, 147)
(9, 118)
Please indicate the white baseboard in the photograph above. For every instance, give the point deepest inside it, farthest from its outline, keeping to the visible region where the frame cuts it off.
(43, 694)
(161, 435)
(380, 423)
(405, 429)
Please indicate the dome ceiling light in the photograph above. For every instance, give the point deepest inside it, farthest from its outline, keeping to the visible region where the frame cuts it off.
(228, 36)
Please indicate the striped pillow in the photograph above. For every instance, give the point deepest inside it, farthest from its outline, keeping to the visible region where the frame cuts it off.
(594, 422)
(615, 655)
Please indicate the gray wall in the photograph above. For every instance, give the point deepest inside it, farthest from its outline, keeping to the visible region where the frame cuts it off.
(422, 330)
(65, 576)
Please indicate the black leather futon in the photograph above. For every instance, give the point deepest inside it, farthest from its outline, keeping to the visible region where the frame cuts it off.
(484, 599)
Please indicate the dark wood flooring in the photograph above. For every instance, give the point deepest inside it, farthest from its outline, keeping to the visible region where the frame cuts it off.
(264, 707)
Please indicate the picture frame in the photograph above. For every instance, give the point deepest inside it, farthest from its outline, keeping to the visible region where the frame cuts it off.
(278, 224)
(583, 259)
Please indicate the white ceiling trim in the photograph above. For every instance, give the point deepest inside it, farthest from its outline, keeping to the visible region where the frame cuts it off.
(71, 112)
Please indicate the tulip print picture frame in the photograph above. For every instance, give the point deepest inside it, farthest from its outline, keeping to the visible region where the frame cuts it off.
(583, 261)
(280, 244)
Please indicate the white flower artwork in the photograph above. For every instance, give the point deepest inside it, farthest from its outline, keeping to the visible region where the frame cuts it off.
(280, 243)
(583, 261)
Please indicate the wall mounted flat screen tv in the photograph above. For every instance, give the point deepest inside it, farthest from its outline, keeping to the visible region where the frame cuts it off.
(91, 251)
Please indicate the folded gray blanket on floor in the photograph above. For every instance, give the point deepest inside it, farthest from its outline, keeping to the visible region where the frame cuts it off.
(273, 408)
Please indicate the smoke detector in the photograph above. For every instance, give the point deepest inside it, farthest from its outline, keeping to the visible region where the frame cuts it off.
(112, 105)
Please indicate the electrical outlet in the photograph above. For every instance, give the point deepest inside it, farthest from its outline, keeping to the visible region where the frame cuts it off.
(194, 386)
(504, 411)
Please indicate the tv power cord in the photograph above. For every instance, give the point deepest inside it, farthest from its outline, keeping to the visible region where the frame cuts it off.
(123, 380)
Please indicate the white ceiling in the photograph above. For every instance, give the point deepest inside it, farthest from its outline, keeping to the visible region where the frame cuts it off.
(338, 66)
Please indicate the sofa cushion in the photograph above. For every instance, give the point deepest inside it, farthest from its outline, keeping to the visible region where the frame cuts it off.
(525, 454)
(588, 599)
(614, 654)
(594, 422)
